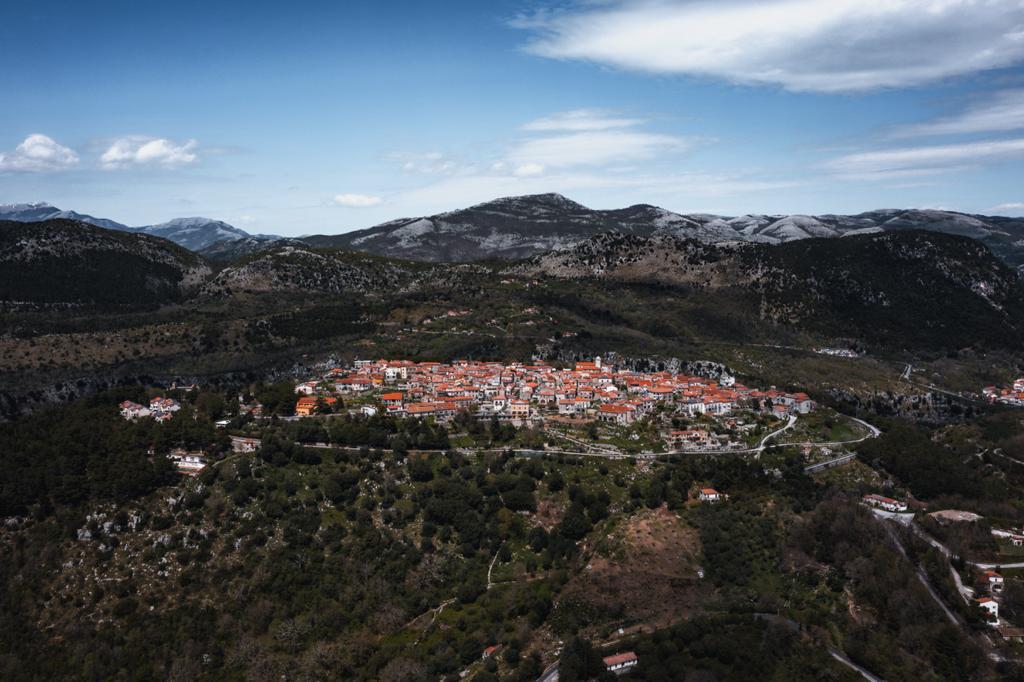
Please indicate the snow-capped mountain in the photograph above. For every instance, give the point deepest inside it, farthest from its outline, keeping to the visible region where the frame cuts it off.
(194, 233)
(26, 213)
(518, 227)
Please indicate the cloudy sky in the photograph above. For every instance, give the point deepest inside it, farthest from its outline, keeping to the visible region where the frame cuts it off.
(298, 118)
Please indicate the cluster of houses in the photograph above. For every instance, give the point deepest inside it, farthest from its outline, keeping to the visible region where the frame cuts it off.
(160, 409)
(1013, 395)
(993, 582)
(527, 392)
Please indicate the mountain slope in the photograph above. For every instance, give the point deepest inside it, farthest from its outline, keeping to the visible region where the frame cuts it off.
(508, 228)
(232, 249)
(194, 233)
(907, 289)
(303, 269)
(519, 227)
(65, 261)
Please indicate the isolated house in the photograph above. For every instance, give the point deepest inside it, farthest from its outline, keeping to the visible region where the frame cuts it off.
(710, 495)
(188, 463)
(989, 605)
(994, 580)
(619, 662)
(239, 444)
(885, 503)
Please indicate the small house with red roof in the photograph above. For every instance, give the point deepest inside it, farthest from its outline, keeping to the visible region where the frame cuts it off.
(617, 663)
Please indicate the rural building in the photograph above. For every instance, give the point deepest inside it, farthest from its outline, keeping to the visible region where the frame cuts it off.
(994, 581)
(619, 662)
(989, 605)
(885, 503)
(710, 495)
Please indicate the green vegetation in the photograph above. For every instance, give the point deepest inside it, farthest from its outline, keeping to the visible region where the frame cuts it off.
(373, 561)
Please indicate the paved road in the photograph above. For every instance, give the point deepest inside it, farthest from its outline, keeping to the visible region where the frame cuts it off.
(908, 520)
(905, 376)
(550, 675)
(616, 454)
(988, 567)
(820, 466)
(923, 578)
(845, 660)
(764, 441)
(873, 432)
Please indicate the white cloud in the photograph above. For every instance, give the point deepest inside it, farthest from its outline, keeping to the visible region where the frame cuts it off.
(38, 153)
(1002, 113)
(430, 163)
(1009, 207)
(803, 45)
(580, 120)
(595, 148)
(356, 200)
(671, 189)
(925, 160)
(528, 169)
(580, 151)
(143, 151)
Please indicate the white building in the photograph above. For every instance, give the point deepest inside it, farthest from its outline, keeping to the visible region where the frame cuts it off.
(130, 410)
(188, 463)
(991, 606)
(995, 581)
(885, 503)
(710, 495)
(620, 662)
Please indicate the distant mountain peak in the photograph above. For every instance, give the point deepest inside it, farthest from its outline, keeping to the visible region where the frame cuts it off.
(9, 208)
(194, 233)
(548, 201)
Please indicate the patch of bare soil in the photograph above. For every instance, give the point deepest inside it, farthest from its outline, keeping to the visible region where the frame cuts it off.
(645, 573)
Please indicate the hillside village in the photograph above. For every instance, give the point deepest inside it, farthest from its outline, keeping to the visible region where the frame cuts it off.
(524, 394)
(1012, 395)
(160, 409)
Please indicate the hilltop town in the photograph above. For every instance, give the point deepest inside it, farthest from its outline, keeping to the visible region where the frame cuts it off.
(525, 393)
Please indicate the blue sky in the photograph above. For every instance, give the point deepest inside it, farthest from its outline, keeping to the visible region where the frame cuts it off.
(306, 117)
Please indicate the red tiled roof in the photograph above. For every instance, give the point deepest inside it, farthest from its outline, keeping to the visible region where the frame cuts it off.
(618, 659)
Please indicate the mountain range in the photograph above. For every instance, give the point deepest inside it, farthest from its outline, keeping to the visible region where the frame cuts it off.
(519, 227)
(898, 289)
(195, 234)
